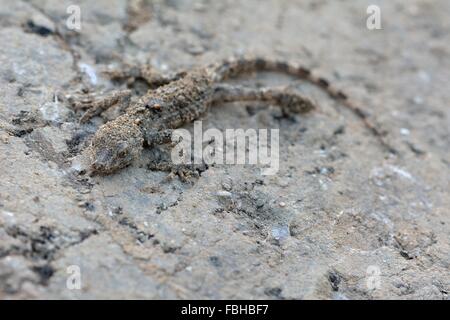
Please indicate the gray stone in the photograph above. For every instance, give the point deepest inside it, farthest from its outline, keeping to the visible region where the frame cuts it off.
(341, 219)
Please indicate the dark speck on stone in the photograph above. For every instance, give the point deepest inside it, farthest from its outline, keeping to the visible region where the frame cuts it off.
(215, 261)
(40, 30)
(45, 272)
(273, 292)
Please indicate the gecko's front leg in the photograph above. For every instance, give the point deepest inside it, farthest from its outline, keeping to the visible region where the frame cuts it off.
(157, 137)
(184, 171)
(95, 105)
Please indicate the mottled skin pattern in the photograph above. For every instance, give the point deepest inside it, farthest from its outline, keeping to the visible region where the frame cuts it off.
(117, 143)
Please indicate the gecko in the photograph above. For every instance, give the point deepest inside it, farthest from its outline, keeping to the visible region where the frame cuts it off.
(151, 120)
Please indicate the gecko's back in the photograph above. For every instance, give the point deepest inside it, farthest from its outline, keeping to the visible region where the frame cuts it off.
(174, 104)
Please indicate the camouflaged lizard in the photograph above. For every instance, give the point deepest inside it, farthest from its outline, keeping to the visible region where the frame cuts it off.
(152, 118)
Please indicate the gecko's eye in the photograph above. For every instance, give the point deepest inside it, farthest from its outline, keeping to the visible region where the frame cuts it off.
(122, 149)
(102, 160)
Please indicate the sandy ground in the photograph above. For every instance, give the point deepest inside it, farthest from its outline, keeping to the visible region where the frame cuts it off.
(342, 219)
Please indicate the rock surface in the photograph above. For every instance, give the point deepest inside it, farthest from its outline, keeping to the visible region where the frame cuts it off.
(340, 220)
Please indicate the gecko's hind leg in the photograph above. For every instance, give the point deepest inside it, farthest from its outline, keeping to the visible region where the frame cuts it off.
(289, 101)
(158, 137)
(97, 105)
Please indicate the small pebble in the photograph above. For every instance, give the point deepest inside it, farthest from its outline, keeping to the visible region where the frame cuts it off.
(226, 186)
(224, 194)
(89, 71)
(326, 170)
(50, 111)
(418, 100)
(404, 131)
(260, 203)
(283, 183)
(280, 233)
(424, 76)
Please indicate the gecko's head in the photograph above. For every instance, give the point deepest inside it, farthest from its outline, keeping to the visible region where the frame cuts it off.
(115, 145)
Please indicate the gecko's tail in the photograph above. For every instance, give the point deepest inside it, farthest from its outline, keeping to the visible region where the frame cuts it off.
(233, 68)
